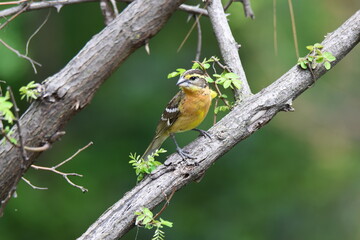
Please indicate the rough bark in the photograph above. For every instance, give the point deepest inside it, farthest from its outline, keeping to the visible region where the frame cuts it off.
(246, 118)
(71, 89)
(227, 44)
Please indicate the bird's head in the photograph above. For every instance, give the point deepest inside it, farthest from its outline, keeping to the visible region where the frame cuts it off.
(193, 78)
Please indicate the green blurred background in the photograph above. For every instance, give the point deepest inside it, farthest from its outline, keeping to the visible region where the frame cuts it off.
(296, 178)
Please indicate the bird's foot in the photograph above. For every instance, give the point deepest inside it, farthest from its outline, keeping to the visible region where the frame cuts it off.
(203, 132)
(184, 154)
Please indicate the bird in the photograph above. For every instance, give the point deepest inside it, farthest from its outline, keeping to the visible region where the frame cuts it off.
(185, 111)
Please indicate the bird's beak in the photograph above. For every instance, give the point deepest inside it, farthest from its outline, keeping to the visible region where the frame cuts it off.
(182, 82)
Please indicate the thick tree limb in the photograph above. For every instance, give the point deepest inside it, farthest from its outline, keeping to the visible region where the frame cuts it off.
(228, 46)
(253, 113)
(58, 4)
(74, 86)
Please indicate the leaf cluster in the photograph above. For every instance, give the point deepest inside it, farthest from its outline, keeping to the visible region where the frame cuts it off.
(316, 57)
(5, 108)
(145, 218)
(143, 167)
(31, 91)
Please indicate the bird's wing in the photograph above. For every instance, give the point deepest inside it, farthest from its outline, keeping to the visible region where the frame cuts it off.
(170, 114)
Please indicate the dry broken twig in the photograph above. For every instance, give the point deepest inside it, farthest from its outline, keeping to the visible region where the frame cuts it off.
(66, 175)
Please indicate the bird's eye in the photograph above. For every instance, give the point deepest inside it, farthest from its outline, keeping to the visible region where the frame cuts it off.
(192, 78)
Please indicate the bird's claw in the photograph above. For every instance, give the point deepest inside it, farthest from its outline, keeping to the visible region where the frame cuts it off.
(203, 133)
(184, 154)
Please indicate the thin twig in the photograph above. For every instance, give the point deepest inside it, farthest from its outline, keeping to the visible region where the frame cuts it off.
(215, 106)
(33, 63)
(228, 4)
(107, 11)
(167, 202)
(13, 2)
(199, 42)
(190, 31)
(247, 9)
(43, 148)
(275, 30)
(66, 175)
(8, 138)
(32, 185)
(293, 26)
(59, 3)
(22, 9)
(74, 155)
(116, 10)
(16, 111)
(36, 31)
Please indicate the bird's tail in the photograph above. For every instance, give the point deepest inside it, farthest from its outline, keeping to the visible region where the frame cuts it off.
(154, 145)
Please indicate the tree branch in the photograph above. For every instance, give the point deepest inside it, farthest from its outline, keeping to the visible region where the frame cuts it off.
(246, 118)
(58, 4)
(228, 46)
(71, 89)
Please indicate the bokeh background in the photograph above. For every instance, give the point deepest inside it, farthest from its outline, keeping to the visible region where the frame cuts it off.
(296, 178)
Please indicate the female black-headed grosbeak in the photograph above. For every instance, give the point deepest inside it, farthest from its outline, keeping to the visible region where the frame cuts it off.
(186, 110)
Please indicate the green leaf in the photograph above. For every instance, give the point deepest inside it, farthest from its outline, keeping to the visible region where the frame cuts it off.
(303, 65)
(329, 56)
(30, 91)
(166, 223)
(231, 75)
(206, 65)
(310, 47)
(196, 65)
(220, 80)
(319, 59)
(227, 84)
(318, 46)
(173, 74)
(236, 83)
(327, 65)
(209, 79)
(5, 108)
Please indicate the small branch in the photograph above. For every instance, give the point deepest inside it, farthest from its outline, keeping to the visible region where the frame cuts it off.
(43, 148)
(60, 3)
(115, 8)
(16, 111)
(33, 186)
(22, 9)
(36, 31)
(66, 175)
(107, 11)
(167, 202)
(247, 9)
(74, 155)
(215, 114)
(228, 4)
(13, 2)
(193, 9)
(33, 63)
(293, 27)
(275, 28)
(228, 46)
(199, 42)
